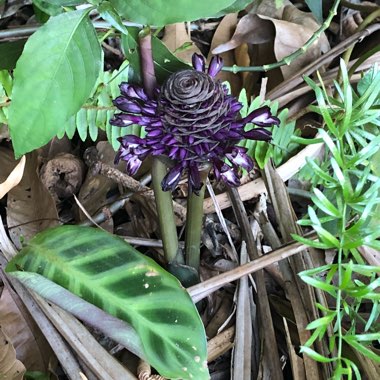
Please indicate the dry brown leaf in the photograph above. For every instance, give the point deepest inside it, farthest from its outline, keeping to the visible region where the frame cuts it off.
(10, 367)
(30, 346)
(13, 179)
(223, 34)
(30, 207)
(286, 34)
(176, 36)
(371, 255)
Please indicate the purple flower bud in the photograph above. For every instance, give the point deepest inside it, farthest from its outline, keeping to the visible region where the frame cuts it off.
(260, 134)
(262, 117)
(133, 164)
(216, 65)
(133, 92)
(192, 119)
(199, 62)
(171, 179)
(195, 183)
(126, 105)
(239, 157)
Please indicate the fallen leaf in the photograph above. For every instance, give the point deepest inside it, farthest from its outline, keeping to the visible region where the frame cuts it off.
(10, 367)
(30, 345)
(14, 178)
(178, 41)
(287, 33)
(30, 207)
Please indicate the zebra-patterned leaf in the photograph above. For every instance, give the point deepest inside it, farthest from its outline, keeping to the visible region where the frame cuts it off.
(109, 273)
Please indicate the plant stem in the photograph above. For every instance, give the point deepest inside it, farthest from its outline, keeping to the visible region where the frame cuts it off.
(165, 212)
(291, 57)
(164, 201)
(194, 222)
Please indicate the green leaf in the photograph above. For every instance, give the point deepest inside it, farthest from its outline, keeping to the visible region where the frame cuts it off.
(324, 204)
(314, 355)
(163, 12)
(316, 8)
(108, 13)
(108, 272)
(351, 340)
(53, 78)
(237, 6)
(165, 62)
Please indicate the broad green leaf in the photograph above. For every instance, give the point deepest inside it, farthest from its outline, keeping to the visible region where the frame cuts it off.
(53, 78)
(163, 12)
(237, 6)
(109, 14)
(165, 62)
(109, 273)
(316, 8)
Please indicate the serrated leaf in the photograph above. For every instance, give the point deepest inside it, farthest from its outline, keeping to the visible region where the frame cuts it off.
(108, 272)
(53, 78)
(163, 12)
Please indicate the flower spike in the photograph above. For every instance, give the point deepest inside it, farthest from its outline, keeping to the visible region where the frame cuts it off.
(193, 120)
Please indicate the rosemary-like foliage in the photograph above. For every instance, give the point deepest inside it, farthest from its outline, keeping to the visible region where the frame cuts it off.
(346, 217)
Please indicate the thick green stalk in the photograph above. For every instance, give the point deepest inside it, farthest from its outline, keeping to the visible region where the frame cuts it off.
(164, 204)
(194, 222)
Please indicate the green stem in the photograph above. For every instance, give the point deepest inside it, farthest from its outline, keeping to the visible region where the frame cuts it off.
(194, 222)
(165, 212)
(290, 58)
(164, 200)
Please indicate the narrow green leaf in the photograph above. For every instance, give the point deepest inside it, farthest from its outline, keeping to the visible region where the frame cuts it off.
(314, 355)
(108, 272)
(324, 204)
(53, 78)
(351, 340)
(163, 12)
(108, 13)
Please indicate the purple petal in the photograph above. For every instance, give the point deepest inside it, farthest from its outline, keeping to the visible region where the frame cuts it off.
(195, 183)
(131, 141)
(155, 133)
(119, 120)
(133, 164)
(171, 179)
(216, 65)
(262, 116)
(132, 91)
(126, 105)
(260, 134)
(229, 176)
(199, 62)
(238, 157)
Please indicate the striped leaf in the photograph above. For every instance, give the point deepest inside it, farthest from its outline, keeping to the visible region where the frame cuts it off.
(109, 273)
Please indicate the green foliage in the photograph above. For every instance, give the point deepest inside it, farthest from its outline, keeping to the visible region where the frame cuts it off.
(108, 272)
(281, 146)
(163, 12)
(165, 62)
(6, 84)
(346, 201)
(53, 78)
(99, 109)
(316, 8)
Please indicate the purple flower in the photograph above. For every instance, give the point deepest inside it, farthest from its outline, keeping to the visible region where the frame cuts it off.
(193, 121)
